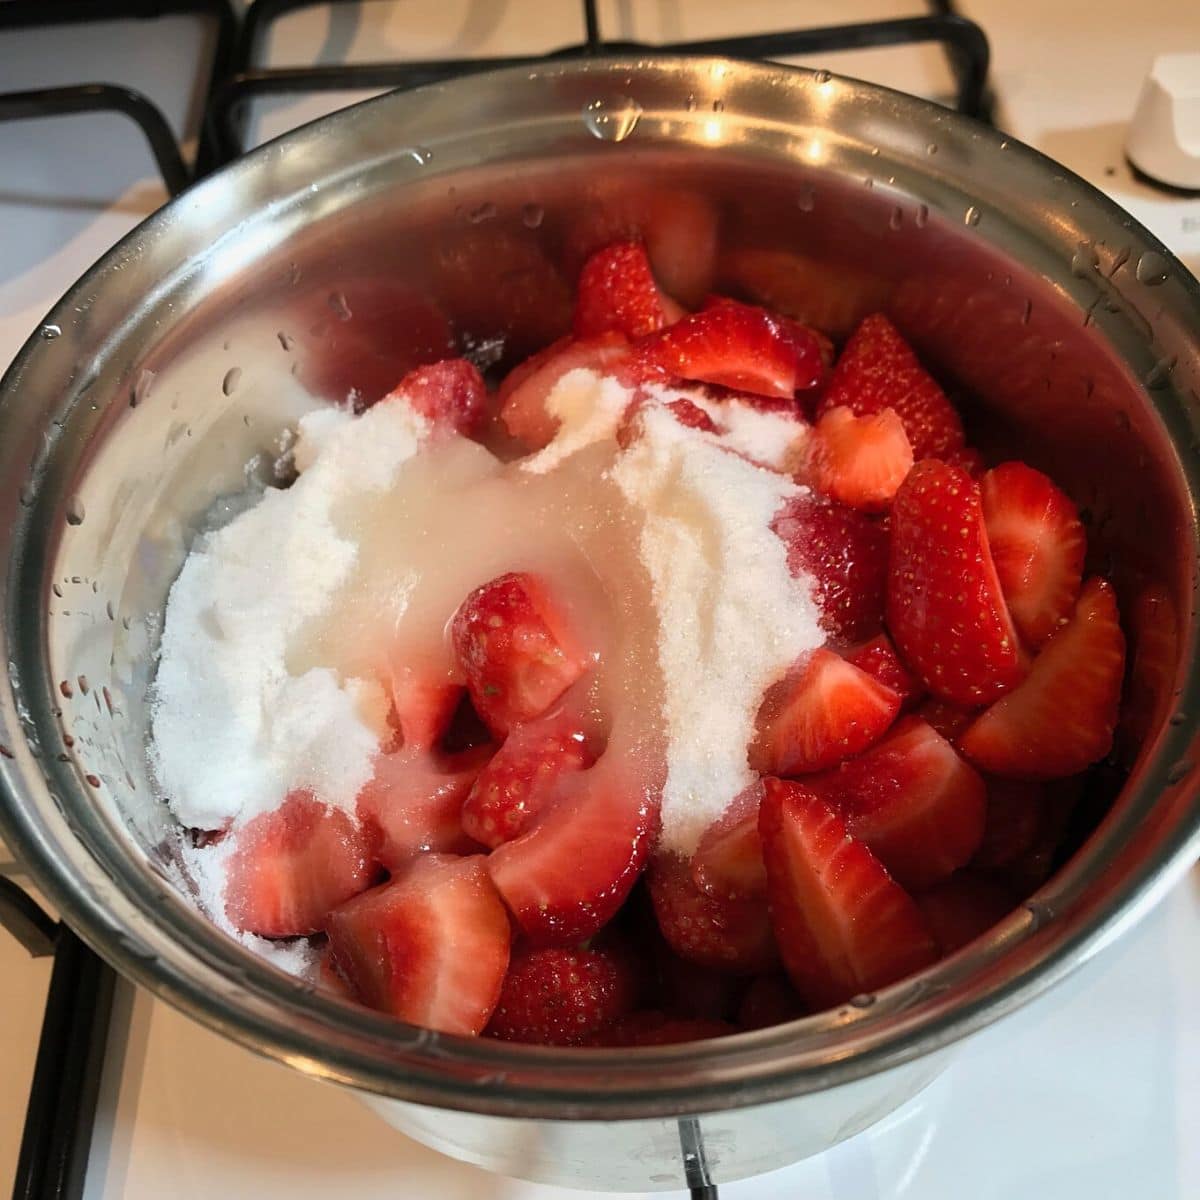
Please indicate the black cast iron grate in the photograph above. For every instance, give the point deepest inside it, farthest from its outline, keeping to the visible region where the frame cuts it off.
(62, 1103)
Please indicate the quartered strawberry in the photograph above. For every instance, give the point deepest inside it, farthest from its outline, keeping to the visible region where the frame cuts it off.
(962, 907)
(523, 777)
(617, 292)
(1038, 544)
(846, 553)
(727, 864)
(329, 978)
(689, 415)
(859, 461)
(825, 711)
(730, 935)
(1061, 718)
(515, 649)
(571, 869)
(1014, 820)
(879, 370)
(423, 705)
(653, 1028)
(737, 346)
(844, 926)
(523, 393)
(291, 866)
(769, 1000)
(414, 802)
(561, 997)
(914, 803)
(879, 659)
(430, 947)
(945, 609)
(451, 394)
(948, 719)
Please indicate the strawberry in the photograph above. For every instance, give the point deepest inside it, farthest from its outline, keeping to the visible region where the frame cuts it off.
(523, 777)
(414, 801)
(329, 979)
(737, 346)
(844, 926)
(859, 461)
(878, 370)
(688, 990)
(571, 869)
(291, 866)
(846, 554)
(769, 1000)
(879, 659)
(730, 935)
(807, 340)
(652, 1028)
(451, 394)
(561, 997)
(523, 393)
(945, 609)
(962, 907)
(948, 719)
(727, 864)
(1061, 718)
(966, 459)
(1037, 543)
(516, 650)
(689, 415)
(1014, 820)
(423, 705)
(818, 715)
(617, 292)
(1028, 872)
(914, 803)
(430, 947)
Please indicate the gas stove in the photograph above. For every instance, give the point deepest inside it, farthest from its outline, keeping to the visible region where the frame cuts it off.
(1092, 1091)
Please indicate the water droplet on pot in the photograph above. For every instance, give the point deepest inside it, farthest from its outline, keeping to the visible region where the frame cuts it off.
(922, 217)
(339, 306)
(897, 218)
(232, 378)
(294, 273)
(806, 199)
(971, 216)
(1027, 312)
(822, 77)
(109, 611)
(141, 388)
(1159, 374)
(66, 689)
(690, 103)
(5, 752)
(1179, 772)
(931, 148)
(1178, 718)
(862, 1000)
(1039, 912)
(50, 332)
(75, 512)
(874, 151)
(1085, 260)
(868, 183)
(93, 780)
(420, 154)
(484, 212)
(612, 119)
(1151, 269)
(532, 216)
(286, 340)
(25, 495)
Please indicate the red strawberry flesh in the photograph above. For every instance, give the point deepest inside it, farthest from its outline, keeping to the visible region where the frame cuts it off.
(450, 393)
(617, 292)
(728, 861)
(859, 460)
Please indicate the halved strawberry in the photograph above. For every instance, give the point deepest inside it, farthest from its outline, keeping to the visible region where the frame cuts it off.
(820, 714)
(652, 1028)
(516, 649)
(523, 393)
(918, 807)
(730, 935)
(291, 866)
(846, 553)
(1061, 718)
(569, 872)
(962, 907)
(561, 997)
(1014, 820)
(879, 370)
(430, 947)
(769, 1000)
(450, 393)
(859, 461)
(617, 292)
(685, 412)
(945, 609)
(844, 926)
(948, 719)
(523, 777)
(737, 346)
(414, 803)
(728, 861)
(1038, 544)
(423, 705)
(879, 659)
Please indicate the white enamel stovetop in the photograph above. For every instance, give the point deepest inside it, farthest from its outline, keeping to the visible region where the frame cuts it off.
(1091, 1093)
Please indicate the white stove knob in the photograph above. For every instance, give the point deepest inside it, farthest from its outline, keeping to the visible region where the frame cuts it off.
(1164, 135)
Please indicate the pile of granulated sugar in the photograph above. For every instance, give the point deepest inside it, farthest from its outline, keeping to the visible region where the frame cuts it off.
(731, 617)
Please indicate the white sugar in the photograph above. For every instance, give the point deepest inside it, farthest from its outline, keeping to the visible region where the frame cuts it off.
(766, 437)
(589, 407)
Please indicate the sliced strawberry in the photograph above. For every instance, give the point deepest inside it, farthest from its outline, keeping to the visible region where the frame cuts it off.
(523, 393)
(570, 871)
(516, 650)
(859, 461)
(945, 610)
(728, 861)
(846, 554)
(689, 415)
(450, 393)
(948, 719)
(291, 866)
(651, 1028)
(879, 370)
(617, 292)
(524, 776)
(820, 714)
(1025, 875)
(688, 990)
(731, 935)
(737, 346)
(843, 924)
(423, 705)
(1037, 543)
(329, 978)
(414, 802)
(430, 947)
(1014, 820)
(879, 659)
(914, 803)
(1061, 719)
(966, 459)
(561, 997)
(769, 1000)
(962, 907)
